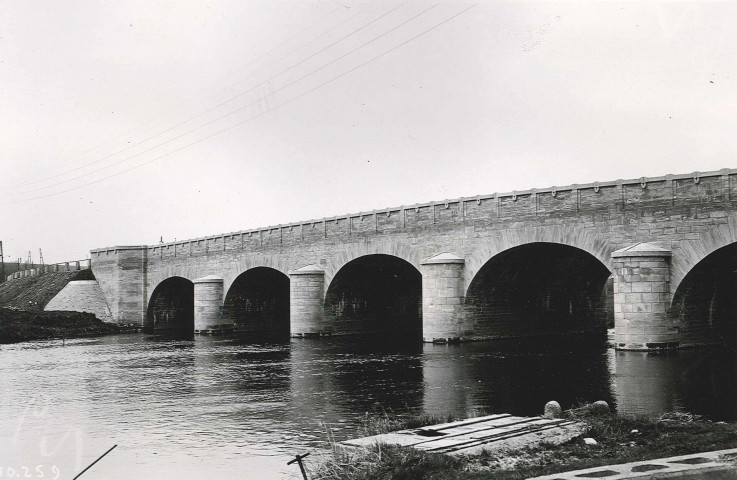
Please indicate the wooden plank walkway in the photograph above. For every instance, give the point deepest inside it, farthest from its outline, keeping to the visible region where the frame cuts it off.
(494, 432)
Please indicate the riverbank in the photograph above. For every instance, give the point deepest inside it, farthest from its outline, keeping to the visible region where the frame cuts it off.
(23, 325)
(619, 439)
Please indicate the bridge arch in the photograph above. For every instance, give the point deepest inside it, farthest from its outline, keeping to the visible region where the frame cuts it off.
(540, 288)
(375, 293)
(703, 301)
(171, 306)
(257, 301)
(688, 253)
(241, 264)
(503, 240)
(156, 278)
(353, 251)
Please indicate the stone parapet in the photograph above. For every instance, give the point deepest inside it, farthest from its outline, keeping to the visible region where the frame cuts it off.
(675, 189)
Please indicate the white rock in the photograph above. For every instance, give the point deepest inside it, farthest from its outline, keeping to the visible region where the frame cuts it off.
(600, 407)
(590, 441)
(552, 410)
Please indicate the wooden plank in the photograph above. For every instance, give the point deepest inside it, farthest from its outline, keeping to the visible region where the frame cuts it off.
(469, 434)
(485, 441)
(469, 421)
(518, 421)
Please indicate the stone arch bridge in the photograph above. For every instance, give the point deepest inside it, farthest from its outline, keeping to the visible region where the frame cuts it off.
(531, 262)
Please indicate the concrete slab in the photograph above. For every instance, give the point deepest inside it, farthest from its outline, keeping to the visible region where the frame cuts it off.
(492, 432)
(718, 464)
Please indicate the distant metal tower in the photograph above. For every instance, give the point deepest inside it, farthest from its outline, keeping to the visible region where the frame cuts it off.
(2, 263)
(40, 257)
(29, 262)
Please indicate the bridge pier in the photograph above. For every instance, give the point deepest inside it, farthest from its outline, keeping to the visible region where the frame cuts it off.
(642, 298)
(442, 298)
(306, 309)
(208, 305)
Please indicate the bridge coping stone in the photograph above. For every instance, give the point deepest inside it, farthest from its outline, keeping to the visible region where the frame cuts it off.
(209, 279)
(308, 270)
(642, 249)
(444, 257)
(695, 176)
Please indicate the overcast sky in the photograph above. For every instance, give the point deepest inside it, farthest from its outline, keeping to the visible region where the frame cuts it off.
(122, 122)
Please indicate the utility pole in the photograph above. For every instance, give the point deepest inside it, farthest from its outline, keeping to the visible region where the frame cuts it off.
(2, 263)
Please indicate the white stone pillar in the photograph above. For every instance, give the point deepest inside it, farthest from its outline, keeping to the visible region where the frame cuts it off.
(642, 298)
(442, 298)
(306, 297)
(208, 305)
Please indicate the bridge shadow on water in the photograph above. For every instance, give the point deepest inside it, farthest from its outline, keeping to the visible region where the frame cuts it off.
(514, 376)
(344, 377)
(517, 376)
(700, 381)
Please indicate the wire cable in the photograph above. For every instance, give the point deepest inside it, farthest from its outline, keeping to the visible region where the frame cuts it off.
(253, 117)
(190, 119)
(232, 112)
(197, 92)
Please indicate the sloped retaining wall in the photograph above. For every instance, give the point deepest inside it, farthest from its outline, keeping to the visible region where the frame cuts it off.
(82, 296)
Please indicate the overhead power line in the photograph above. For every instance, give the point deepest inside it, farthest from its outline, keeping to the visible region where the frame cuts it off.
(231, 99)
(199, 91)
(119, 162)
(424, 32)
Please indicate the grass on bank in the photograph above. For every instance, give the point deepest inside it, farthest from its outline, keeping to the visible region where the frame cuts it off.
(621, 439)
(382, 420)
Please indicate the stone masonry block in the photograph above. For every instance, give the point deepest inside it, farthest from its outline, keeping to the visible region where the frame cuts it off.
(640, 287)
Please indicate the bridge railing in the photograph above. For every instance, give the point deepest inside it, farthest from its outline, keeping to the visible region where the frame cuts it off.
(71, 266)
(570, 198)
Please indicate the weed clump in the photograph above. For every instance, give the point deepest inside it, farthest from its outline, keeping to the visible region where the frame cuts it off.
(380, 420)
(619, 439)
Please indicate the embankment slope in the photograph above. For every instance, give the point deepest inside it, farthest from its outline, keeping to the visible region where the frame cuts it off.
(22, 315)
(33, 293)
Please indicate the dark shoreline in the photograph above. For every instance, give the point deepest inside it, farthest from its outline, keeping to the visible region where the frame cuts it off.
(22, 325)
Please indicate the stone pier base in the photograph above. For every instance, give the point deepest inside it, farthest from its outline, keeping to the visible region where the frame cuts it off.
(208, 306)
(442, 299)
(306, 293)
(642, 299)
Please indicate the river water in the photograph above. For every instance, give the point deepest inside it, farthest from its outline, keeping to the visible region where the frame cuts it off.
(214, 407)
